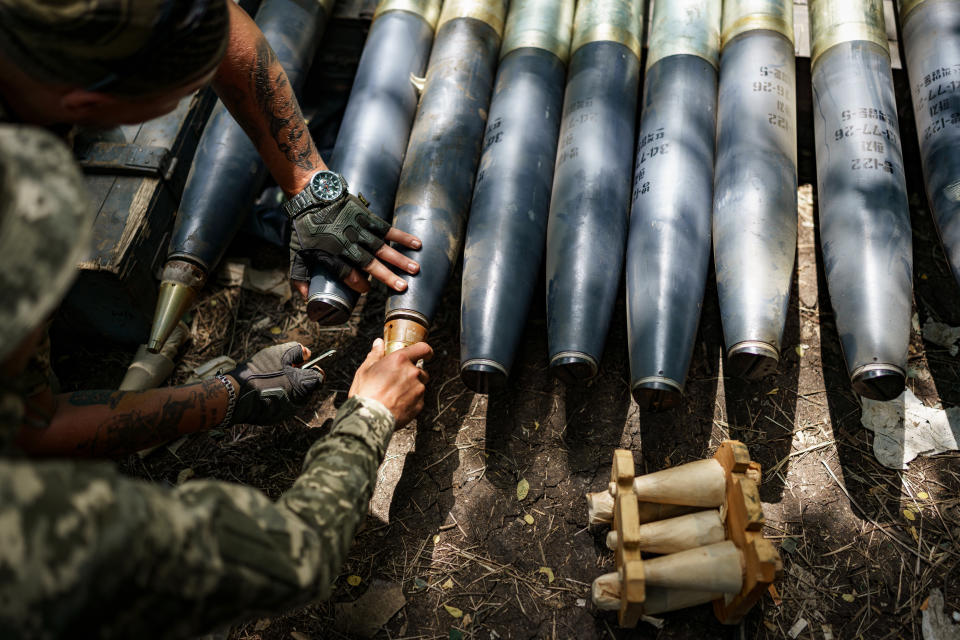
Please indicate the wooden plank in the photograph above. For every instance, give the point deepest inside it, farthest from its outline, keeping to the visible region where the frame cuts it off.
(626, 522)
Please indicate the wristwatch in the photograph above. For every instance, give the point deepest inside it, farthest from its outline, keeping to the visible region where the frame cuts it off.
(325, 188)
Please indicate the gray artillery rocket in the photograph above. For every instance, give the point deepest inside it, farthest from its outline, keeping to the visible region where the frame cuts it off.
(755, 182)
(507, 229)
(590, 200)
(668, 251)
(864, 216)
(227, 170)
(376, 126)
(931, 39)
(436, 181)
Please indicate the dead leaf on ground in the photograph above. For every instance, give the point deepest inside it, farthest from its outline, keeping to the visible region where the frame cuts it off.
(523, 488)
(367, 614)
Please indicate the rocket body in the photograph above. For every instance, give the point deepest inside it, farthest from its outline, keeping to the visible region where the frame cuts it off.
(373, 134)
(506, 232)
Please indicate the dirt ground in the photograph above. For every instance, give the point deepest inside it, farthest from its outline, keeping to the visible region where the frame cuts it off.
(861, 545)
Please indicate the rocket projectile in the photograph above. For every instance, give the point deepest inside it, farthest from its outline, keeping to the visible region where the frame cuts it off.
(376, 126)
(589, 205)
(931, 43)
(864, 214)
(755, 182)
(669, 245)
(507, 229)
(227, 170)
(436, 181)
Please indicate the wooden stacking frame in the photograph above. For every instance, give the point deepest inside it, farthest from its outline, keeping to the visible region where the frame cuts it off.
(705, 522)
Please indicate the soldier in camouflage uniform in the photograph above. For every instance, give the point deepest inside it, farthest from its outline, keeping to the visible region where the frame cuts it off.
(85, 551)
(109, 62)
(104, 62)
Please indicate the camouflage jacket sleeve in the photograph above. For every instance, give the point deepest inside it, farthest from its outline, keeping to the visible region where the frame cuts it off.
(85, 551)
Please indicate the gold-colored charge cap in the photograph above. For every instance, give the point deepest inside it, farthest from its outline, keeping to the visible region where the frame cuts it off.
(327, 5)
(429, 10)
(836, 21)
(492, 12)
(740, 16)
(541, 24)
(610, 20)
(685, 27)
(399, 333)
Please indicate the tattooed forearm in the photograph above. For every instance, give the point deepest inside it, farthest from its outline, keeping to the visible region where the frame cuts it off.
(105, 423)
(134, 426)
(88, 398)
(279, 106)
(254, 87)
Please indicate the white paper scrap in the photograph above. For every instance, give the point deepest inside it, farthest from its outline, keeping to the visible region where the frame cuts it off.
(905, 428)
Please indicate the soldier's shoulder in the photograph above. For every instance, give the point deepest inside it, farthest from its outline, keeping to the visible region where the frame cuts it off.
(32, 147)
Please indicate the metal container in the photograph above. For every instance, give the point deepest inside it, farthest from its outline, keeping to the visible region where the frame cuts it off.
(589, 206)
(507, 229)
(669, 244)
(931, 38)
(436, 181)
(227, 170)
(755, 183)
(376, 126)
(864, 216)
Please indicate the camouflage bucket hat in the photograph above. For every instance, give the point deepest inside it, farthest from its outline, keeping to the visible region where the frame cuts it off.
(45, 224)
(127, 47)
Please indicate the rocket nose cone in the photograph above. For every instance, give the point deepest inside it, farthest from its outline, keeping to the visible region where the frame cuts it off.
(483, 376)
(173, 301)
(657, 395)
(879, 382)
(328, 311)
(752, 360)
(573, 368)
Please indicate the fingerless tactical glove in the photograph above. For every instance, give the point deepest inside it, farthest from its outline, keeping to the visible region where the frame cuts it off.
(271, 387)
(339, 237)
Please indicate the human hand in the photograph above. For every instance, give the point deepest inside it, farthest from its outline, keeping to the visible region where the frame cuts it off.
(271, 386)
(394, 380)
(343, 237)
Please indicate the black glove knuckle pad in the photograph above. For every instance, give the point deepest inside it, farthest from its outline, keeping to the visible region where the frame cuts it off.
(270, 388)
(333, 234)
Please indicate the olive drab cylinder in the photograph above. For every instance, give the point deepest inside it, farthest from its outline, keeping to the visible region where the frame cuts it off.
(931, 40)
(590, 198)
(375, 128)
(437, 178)
(507, 227)
(668, 251)
(227, 170)
(864, 215)
(755, 182)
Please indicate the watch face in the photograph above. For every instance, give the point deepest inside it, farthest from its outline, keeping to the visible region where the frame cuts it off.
(327, 186)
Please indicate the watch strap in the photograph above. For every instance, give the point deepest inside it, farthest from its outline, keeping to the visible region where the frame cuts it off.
(299, 203)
